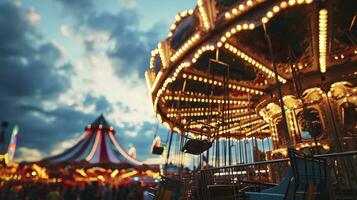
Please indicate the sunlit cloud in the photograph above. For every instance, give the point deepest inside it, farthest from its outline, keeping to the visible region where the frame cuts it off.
(79, 66)
(32, 16)
(28, 154)
(129, 4)
(154, 160)
(59, 46)
(49, 105)
(61, 147)
(17, 2)
(96, 75)
(131, 133)
(43, 117)
(66, 30)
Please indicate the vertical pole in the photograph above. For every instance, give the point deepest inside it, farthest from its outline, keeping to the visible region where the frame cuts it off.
(228, 117)
(256, 149)
(171, 134)
(168, 151)
(207, 157)
(269, 143)
(263, 144)
(280, 95)
(241, 151)
(224, 150)
(236, 152)
(245, 149)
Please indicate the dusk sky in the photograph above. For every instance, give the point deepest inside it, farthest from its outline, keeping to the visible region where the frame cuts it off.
(64, 62)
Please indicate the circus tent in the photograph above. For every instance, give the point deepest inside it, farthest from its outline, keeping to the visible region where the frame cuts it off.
(97, 145)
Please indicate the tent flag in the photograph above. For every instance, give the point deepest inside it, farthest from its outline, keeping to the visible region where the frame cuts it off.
(12, 146)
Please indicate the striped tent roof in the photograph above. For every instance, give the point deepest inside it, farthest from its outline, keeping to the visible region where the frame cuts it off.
(98, 144)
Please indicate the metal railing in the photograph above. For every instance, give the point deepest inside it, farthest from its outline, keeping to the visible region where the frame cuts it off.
(342, 174)
(233, 180)
(230, 182)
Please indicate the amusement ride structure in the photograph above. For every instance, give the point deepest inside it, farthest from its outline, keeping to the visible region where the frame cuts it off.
(97, 156)
(253, 86)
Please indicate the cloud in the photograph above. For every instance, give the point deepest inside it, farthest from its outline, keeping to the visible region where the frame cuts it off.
(124, 98)
(101, 104)
(129, 4)
(154, 160)
(131, 133)
(28, 70)
(51, 99)
(32, 78)
(115, 56)
(64, 145)
(28, 154)
(66, 30)
(17, 2)
(15, 32)
(130, 52)
(118, 35)
(32, 16)
(80, 9)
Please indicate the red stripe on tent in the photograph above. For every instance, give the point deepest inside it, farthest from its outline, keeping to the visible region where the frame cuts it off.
(103, 149)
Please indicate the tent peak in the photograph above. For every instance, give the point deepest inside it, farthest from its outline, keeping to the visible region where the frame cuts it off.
(100, 122)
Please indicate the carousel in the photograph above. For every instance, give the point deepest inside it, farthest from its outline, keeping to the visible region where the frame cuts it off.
(244, 82)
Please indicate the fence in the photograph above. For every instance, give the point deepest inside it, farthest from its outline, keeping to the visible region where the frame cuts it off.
(231, 182)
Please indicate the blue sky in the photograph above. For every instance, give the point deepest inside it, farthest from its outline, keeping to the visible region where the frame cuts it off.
(64, 62)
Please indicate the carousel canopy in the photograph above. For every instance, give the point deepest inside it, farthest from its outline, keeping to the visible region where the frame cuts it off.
(97, 145)
(224, 70)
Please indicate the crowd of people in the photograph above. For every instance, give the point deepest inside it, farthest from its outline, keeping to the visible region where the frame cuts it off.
(91, 191)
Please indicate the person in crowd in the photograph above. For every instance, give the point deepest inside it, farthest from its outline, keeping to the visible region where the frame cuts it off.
(53, 194)
(55, 191)
(70, 193)
(95, 192)
(107, 192)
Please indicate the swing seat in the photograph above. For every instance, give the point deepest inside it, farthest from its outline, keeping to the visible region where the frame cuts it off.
(196, 147)
(157, 150)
